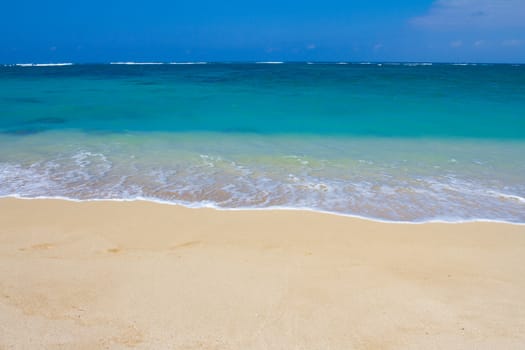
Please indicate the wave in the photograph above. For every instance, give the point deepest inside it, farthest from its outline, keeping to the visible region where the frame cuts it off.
(137, 63)
(507, 196)
(43, 64)
(209, 205)
(416, 64)
(293, 182)
(409, 64)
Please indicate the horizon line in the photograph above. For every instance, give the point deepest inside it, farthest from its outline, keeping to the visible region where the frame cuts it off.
(335, 62)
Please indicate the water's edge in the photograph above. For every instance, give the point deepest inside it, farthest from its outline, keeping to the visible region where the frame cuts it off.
(276, 208)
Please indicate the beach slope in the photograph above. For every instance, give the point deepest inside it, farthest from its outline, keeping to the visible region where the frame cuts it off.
(120, 275)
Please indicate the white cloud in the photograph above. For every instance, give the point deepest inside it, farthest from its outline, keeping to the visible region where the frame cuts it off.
(311, 47)
(457, 43)
(378, 46)
(473, 14)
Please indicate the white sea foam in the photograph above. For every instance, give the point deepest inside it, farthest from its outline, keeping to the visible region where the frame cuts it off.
(43, 64)
(198, 62)
(507, 196)
(214, 181)
(137, 63)
(209, 205)
(463, 64)
(52, 64)
(416, 64)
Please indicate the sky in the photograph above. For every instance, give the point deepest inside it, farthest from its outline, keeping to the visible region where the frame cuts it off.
(99, 31)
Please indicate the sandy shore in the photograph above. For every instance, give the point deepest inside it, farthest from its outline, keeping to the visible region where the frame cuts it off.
(108, 275)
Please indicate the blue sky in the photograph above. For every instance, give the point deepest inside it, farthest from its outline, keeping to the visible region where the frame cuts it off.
(283, 30)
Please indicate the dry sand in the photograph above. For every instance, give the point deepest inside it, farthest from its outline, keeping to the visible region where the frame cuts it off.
(110, 275)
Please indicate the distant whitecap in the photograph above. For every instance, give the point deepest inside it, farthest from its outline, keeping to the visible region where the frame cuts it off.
(137, 63)
(43, 64)
(199, 62)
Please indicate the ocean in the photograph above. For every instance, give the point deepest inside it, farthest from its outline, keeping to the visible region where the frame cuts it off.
(403, 142)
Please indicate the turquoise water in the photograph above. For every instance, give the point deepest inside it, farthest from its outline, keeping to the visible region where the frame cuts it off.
(400, 142)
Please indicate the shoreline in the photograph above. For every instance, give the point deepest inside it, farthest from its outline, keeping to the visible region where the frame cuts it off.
(248, 209)
(120, 275)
